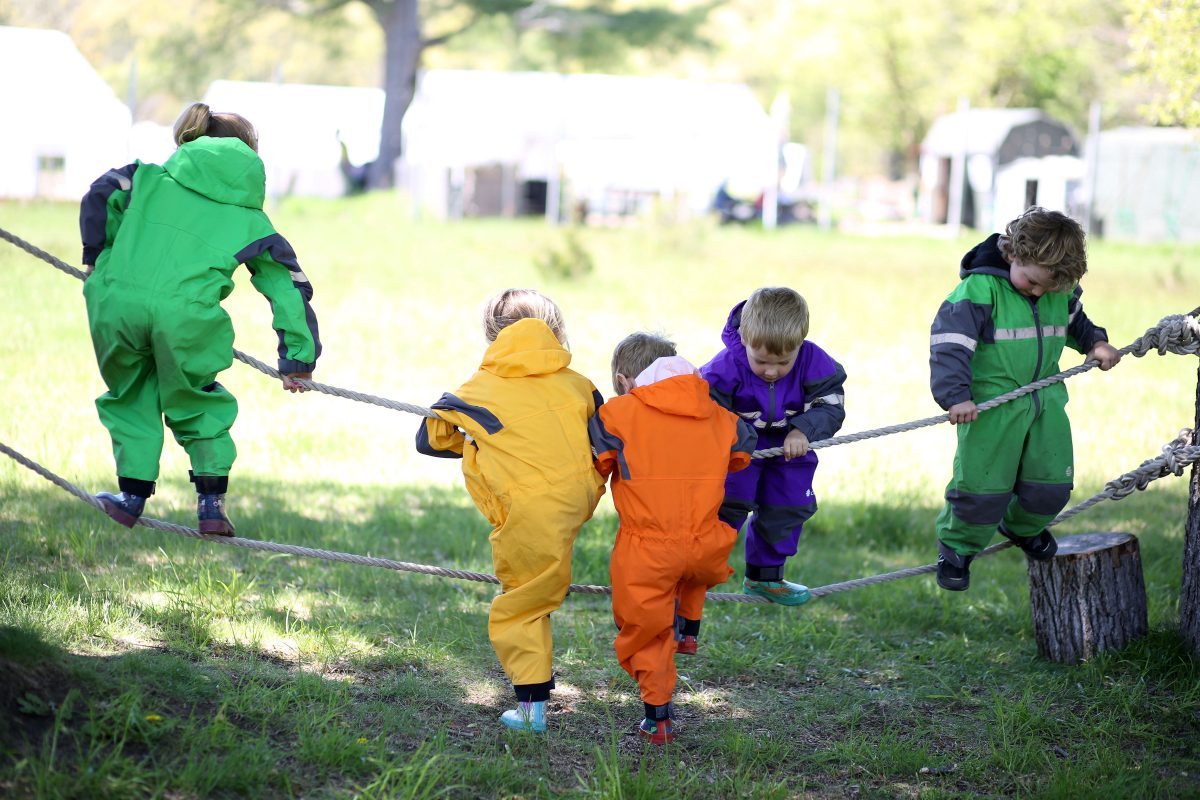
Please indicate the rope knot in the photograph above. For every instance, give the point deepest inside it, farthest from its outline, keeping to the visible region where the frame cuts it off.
(1177, 333)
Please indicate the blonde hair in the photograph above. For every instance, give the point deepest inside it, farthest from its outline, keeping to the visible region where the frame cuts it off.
(636, 352)
(199, 120)
(512, 305)
(774, 318)
(1047, 239)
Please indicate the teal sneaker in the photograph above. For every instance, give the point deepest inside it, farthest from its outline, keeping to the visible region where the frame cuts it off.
(526, 717)
(785, 593)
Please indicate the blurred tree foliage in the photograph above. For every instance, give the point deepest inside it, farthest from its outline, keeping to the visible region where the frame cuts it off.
(896, 66)
(583, 31)
(180, 46)
(1166, 52)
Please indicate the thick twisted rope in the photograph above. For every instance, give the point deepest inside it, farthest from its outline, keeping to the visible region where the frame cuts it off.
(1178, 333)
(266, 369)
(1176, 456)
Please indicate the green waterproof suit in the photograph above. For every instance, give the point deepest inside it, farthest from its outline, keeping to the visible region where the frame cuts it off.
(165, 241)
(1014, 464)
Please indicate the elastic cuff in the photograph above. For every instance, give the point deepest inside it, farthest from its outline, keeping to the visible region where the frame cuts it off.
(533, 692)
(209, 484)
(657, 712)
(288, 366)
(689, 627)
(757, 573)
(135, 486)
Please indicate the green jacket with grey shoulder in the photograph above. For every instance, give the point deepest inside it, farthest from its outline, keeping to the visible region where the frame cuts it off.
(988, 338)
(183, 228)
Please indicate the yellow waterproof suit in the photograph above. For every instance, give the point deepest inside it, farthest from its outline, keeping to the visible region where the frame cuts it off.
(520, 424)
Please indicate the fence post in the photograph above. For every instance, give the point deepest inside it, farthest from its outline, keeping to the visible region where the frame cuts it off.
(1189, 596)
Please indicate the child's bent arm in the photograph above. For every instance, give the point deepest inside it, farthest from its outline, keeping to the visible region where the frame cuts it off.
(742, 450)
(824, 406)
(275, 272)
(953, 338)
(101, 211)
(441, 439)
(1082, 334)
(605, 446)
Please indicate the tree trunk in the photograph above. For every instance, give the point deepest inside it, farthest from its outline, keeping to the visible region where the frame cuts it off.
(1189, 597)
(401, 23)
(1088, 598)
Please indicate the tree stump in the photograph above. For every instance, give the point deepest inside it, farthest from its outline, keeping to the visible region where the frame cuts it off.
(1089, 598)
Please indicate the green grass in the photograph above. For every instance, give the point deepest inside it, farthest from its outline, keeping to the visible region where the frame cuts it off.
(141, 664)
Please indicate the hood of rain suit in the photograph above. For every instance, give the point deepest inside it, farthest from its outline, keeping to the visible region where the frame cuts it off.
(223, 169)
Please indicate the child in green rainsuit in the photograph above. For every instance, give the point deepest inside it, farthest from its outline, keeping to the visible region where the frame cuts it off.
(1005, 325)
(160, 245)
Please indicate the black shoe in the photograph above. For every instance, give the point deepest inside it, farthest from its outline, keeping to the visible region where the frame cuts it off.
(210, 509)
(953, 570)
(1040, 548)
(123, 507)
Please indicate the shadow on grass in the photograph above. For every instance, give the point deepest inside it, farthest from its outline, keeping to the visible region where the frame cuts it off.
(314, 677)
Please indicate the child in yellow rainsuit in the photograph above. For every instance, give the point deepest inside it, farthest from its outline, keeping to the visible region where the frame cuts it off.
(520, 425)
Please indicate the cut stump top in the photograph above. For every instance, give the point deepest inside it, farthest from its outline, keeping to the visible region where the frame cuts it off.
(1085, 543)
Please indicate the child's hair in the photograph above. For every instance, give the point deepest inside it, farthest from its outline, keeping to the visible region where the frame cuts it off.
(774, 318)
(512, 305)
(636, 352)
(1048, 239)
(199, 120)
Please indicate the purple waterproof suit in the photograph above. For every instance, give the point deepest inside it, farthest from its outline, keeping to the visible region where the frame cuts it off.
(778, 493)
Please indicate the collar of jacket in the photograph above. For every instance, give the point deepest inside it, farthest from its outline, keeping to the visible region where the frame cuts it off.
(681, 396)
(527, 347)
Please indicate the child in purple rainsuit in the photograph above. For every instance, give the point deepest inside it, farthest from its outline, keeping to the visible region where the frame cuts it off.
(790, 391)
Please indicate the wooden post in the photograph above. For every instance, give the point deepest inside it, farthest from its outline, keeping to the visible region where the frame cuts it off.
(1089, 598)
(1189, 595)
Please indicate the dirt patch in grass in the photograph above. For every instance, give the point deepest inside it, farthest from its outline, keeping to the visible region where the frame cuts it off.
(30, 696)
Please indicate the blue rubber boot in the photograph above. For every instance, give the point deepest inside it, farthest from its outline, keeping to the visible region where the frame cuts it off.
(529, 716)
(123, 507)
(783, 592)
(210, 510)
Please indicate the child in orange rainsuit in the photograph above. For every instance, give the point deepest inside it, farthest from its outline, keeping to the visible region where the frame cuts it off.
(520, 427)
(668, 447)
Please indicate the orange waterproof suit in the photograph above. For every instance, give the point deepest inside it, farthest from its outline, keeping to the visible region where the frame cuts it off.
(520, 426)
(668, 447)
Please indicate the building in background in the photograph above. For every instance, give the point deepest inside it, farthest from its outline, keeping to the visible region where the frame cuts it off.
(63, 125)
(1013, 158)
(1147, 185)
(301, 130)
(601, 147)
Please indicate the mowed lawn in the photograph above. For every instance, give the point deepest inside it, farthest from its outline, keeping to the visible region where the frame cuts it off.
(142, 664)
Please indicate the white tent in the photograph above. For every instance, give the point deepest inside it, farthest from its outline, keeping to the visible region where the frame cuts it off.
(1013, 158)
(609, 138)
(1148, 185)
(64, 126)
(298, 128)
